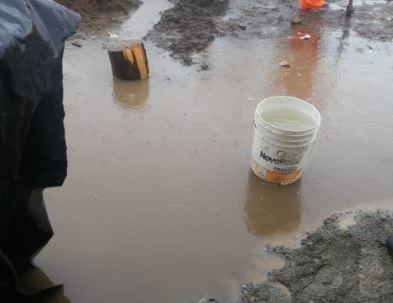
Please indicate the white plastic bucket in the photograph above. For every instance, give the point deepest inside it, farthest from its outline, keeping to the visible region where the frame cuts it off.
(286, 129)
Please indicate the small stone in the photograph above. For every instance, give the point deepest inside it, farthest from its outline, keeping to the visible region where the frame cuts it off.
(113, 35)
(389, 245)
(242, 27)
(285, 64)
(205, 66)
(76, 43)
(296, 21)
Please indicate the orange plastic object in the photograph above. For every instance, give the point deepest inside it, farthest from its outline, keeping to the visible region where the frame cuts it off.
(311, 4)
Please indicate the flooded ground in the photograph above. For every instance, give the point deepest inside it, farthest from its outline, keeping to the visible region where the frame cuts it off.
(160, 206)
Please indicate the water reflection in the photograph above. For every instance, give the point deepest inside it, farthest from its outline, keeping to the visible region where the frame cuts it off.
(302, 55)
(35, 280)
(270, 209)
(131, 95)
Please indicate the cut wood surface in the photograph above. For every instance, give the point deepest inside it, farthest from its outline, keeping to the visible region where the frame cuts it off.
(129, 62)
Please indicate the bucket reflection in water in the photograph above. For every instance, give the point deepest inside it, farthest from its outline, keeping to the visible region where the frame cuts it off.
(131, 95)
(271, 210)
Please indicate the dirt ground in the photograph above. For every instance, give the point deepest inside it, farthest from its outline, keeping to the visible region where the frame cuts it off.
(97, 15)
(190, 26)
(345, 260)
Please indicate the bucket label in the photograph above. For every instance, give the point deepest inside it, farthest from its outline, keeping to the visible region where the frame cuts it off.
(276, 164)
(275, 177)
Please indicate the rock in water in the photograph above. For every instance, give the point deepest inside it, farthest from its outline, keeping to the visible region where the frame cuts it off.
(296, 21)
(285, 64)
(76, 43)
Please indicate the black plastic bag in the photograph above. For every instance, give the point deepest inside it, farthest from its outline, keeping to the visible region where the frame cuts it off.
(32, 139)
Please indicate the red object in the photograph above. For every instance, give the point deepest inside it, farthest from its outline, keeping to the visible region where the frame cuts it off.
(311, 4)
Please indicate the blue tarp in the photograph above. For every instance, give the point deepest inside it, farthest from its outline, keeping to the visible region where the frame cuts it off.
(20, 18)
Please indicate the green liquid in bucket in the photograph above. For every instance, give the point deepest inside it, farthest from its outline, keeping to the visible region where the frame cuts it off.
(289, 119)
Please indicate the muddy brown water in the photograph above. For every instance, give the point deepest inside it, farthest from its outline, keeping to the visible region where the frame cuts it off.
(160, 206)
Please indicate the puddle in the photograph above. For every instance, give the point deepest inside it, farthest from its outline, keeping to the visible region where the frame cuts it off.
(271, 210)
(143, 20)
(160, 205)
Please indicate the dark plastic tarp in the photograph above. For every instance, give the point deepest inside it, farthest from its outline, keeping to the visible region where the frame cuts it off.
(32, 140)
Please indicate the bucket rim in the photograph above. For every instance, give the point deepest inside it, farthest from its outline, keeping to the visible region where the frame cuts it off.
(307, 104)
(286, 144)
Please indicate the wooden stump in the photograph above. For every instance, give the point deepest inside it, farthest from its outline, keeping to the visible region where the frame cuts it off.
(129, 60)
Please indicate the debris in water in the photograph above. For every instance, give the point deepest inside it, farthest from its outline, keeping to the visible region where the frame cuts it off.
(305, 37)
(113, 35)
(285, 64)
(312, 5)
(296, 21)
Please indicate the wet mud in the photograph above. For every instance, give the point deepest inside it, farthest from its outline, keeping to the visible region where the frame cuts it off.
(336, 263)
(191, 26)
(99, 15)
(267, 19)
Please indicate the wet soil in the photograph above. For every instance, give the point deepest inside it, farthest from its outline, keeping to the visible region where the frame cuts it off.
(98, 15)
(191, 26)
(267, 19)
(339, 262)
